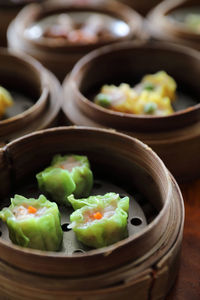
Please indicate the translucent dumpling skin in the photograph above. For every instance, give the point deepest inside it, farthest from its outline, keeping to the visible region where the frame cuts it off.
(33, 223)
(100, 221)
(67, 174)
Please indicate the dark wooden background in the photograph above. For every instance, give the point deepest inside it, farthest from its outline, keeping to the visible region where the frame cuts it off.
(187, 286)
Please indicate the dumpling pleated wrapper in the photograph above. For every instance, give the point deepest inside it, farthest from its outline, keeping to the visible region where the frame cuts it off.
(33, 223)
(101, 220)
(67, 174)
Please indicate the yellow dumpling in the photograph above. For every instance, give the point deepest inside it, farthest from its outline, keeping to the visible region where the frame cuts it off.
(120, 98)
(5, 100)
(153, 96)
(161, 83)
(153, 104)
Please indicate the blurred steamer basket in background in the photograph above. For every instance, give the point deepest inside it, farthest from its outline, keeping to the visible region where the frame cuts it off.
(176, 21)
(36, 93)
(59, 33)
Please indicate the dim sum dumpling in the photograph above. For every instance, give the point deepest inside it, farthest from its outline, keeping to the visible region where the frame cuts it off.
(33, 223)
(67, 174)
(101, 220)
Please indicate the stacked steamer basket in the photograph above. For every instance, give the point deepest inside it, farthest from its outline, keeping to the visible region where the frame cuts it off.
(142, 6)
(36, 93)
(176, 21)
(59, 55)
(8, 11)
(144, 264)
(167, 135)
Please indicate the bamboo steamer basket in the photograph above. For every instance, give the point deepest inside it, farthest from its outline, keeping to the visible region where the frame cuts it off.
(142, 6)
(37, 96)
(175, 138)
(8, 11)
(60, 57)
(144, 265)
(164, 23)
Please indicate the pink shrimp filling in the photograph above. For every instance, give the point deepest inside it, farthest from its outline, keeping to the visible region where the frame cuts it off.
(23, 211)
(98, 214)
(69, 164)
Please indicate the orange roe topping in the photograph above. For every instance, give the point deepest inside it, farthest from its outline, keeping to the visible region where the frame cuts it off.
(97, 215)
(32, 210)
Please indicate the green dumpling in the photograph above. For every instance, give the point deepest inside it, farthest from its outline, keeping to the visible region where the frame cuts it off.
(33, 223)
(67, 174)
(100, 221)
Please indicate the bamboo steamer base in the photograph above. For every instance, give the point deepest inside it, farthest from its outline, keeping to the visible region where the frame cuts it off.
(146, 279)
(143, 266)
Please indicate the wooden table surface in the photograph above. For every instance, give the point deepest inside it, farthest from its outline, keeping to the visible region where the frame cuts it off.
(187, 286)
